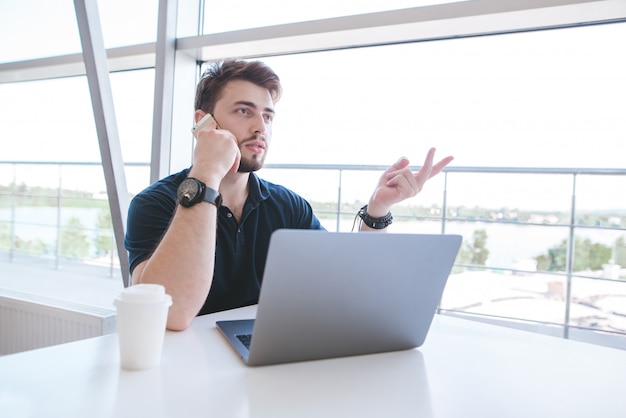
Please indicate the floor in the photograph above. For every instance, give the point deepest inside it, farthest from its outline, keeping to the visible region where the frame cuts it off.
(80, 284)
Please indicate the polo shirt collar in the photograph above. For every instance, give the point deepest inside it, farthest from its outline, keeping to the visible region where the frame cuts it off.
(257, 190)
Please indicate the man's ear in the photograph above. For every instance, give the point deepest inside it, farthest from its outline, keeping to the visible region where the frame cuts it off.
(199, 114)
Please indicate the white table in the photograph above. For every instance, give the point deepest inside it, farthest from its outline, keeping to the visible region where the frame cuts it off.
(465, 369)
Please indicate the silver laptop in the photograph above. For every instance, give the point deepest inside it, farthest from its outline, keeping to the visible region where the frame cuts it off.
(335, 294)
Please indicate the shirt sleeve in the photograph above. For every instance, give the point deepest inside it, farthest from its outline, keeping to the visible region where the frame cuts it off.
(149, 215)
(303, 213)
(310, 220)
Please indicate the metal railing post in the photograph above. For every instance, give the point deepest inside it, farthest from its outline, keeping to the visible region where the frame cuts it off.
(57, 256)
(570, 260)
(339, 199)
(13, 211)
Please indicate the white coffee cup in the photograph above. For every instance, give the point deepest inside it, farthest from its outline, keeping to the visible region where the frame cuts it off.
(141, 320)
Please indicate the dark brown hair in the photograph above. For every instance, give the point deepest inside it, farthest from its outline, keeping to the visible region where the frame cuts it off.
(220, 73)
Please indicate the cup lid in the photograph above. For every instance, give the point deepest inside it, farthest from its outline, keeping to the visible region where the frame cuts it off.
(145, 292)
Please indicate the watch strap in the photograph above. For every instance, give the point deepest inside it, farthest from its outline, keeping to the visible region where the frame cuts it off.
(211, 195)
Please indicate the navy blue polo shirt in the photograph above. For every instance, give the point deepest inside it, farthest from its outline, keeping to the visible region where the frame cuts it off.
(241, 247)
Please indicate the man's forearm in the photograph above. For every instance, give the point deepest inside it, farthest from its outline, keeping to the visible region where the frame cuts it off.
(183, 262)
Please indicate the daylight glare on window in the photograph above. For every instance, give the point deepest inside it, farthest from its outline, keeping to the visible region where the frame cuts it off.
(536, 99)
(223, 16)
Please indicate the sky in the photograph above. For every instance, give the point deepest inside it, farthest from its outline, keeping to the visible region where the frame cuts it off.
(539, 99)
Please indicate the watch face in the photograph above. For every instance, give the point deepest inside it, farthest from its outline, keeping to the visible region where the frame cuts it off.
(188, 192)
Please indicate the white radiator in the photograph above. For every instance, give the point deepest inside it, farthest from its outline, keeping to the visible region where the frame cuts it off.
(29, 321)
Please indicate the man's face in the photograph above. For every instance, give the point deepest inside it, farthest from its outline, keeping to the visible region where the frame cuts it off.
(247, 111)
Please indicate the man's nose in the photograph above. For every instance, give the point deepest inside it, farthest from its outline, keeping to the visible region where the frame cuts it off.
(260, 125)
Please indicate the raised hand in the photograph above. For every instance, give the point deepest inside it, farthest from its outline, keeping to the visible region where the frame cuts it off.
(398, 182)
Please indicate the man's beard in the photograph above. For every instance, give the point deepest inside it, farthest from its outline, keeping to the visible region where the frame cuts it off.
(248, 165)
(254, 163)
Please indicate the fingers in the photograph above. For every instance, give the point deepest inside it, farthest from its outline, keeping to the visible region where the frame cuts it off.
(216, 153)
(399, 182)
(396, 167)
(404, 181)
(204, 129)
(416, 181)
(429, 170)
(441, 165)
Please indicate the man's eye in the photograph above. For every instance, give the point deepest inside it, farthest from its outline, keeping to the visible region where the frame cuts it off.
(244, 111)
(269, 117)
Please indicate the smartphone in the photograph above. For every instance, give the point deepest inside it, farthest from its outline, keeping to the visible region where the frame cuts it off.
(207, 119)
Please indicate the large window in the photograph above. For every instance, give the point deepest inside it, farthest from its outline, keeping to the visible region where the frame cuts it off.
(522, 105)
(48, 28)
(52, 120)
(537, 99)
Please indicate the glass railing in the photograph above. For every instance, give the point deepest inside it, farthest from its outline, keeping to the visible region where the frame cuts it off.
(543, 249)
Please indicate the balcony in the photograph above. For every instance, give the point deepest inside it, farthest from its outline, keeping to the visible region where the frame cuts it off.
(544, 249)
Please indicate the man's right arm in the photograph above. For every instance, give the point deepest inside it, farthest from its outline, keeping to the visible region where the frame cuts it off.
(182, 262)
(184, 258)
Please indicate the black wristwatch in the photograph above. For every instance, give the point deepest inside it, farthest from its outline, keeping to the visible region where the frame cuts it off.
(192, 191)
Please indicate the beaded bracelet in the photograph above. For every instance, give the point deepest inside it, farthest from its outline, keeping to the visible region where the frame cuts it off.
(375, 223)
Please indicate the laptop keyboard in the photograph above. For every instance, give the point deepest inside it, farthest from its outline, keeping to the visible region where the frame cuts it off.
(245, 339)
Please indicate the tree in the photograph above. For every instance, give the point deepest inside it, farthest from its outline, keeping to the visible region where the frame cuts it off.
(555, 259)
(620, 251)
(35, 246)
(5, 236)
(74, 244)
(103, 240)
(475, 252)
(587, 256)
(594, 257)
(480, 253)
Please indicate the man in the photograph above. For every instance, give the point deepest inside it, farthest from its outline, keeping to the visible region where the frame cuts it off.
(204, 233)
